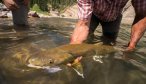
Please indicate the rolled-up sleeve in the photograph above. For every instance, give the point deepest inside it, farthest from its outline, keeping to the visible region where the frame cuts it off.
(85, 9)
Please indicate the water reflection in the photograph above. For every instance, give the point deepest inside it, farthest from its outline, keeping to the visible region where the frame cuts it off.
(117, 68)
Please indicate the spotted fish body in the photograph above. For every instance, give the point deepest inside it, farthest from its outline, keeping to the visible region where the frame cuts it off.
(67, 53)
(18, 59)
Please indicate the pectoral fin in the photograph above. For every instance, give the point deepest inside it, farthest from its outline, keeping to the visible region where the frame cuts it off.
(77, 66)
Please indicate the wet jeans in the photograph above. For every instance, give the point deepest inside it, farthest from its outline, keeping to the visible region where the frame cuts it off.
(109, 29)
(20, 14)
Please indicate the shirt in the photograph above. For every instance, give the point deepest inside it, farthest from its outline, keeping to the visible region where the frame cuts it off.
(107, 10)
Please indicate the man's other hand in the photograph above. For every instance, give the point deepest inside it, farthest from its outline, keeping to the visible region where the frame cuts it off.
(137, 32)
(10, 4)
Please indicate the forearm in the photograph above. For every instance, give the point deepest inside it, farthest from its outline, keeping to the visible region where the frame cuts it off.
(81, 30)
(10, 4)
(83, 23)
(137, 32)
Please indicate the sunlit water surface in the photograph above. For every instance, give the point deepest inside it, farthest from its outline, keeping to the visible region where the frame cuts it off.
(47, 33)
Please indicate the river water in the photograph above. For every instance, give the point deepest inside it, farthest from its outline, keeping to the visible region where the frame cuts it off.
(48, 33)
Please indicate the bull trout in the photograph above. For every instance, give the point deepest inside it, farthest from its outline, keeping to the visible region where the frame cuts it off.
(27, 54)
(68, 53)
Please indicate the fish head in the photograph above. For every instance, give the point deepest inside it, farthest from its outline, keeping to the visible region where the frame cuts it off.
(50, 59)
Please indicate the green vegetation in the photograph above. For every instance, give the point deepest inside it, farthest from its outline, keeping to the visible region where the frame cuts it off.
(44, 6)
(35, 7)
(39, 5)
(47, 5)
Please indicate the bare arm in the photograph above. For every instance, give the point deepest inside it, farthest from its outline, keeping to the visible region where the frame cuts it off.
(139, 24)
(81, 30)
(137, 32)
(10, 4)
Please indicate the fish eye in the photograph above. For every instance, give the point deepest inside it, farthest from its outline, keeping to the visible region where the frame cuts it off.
(51, 61)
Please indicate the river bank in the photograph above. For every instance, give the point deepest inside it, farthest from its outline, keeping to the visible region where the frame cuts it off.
(69, 12)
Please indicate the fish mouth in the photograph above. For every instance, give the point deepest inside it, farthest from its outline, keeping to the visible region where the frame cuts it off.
(48, 68)
(38, 67)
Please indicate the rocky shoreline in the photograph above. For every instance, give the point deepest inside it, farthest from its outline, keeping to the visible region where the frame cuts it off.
(69, 12)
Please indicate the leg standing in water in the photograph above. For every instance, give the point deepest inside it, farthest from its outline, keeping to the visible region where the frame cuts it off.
(19, 10)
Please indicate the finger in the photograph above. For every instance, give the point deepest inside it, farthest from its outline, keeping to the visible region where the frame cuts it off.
(15, 5)
(69, 64)
(11, 7)
(78, 59)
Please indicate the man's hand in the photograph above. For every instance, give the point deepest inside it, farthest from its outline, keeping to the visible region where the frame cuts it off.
(77, 60)
(10, 4)
(80, 33)
(137, 32)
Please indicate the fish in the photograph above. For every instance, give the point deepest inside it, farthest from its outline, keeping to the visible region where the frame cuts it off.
(35, 58)
(65, 54)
